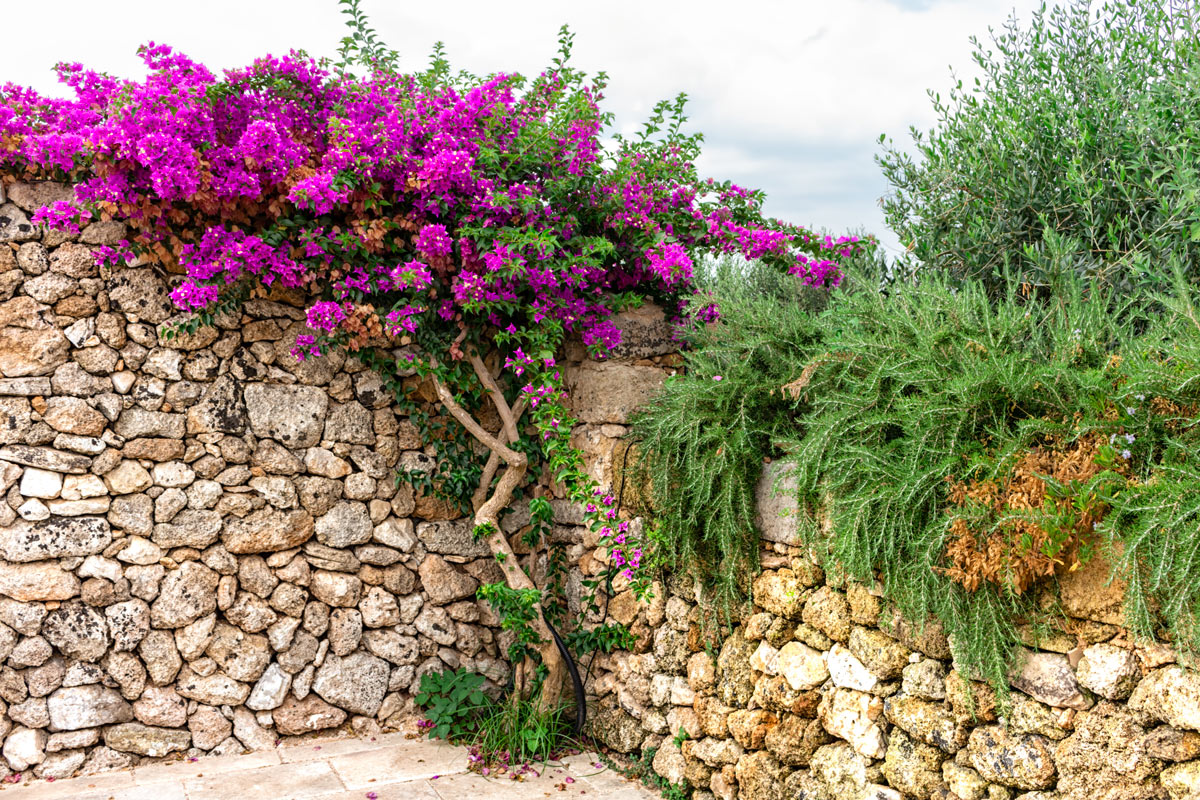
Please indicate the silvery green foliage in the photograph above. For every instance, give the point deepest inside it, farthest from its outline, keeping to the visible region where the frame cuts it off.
(1084, 123)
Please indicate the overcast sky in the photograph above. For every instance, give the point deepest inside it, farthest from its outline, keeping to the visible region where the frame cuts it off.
(790, 94)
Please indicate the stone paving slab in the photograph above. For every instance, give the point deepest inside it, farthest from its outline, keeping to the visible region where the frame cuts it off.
(391, 767)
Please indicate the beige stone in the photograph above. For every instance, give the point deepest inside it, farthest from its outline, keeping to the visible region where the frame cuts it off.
(38, 581)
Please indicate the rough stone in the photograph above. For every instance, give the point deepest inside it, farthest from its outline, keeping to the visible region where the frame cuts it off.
(735, 680)
(1171, 695)
(336, 588)
(249, 732)
(443, 583)
(794, 740)
(78, 631)
(925, 678)
(54, 538)
(296, 717)
(215, 690)
(454, 538)
(389, 644)
(133, 737)
(397, 533)
(32, 651)
(322, 462)
(45, 458)
(345, 630)
(379, 608)
(1182, 781)
(749, 727)
(1170, 744)
(827, 611)
(436, 624)
(1109, 671)
(847, 671)
(220, 409)
(242, 656)
(31, 353)
(271, 689)
(79, 707)
(189, 528)
(1048, 678)
(1022, 762)
(1107, 751)
(73, 415)
(781, 592)
(294, 416)
(208, 727)
(127, 478)
(24, 747)
(141, 293)
(881, 654)
(607, 392)
(912, 767)
(267, 530)
(160, 706)
(250, 613)
(356, 683)
(617, 729)
(37, 582)
(105, 759)
(160, 656)
(929, 722)
(777, 512)
(139, 423)
(760, 776)
(187, 594)
(41, 483)
(802, 666)
(345, 525)
(852, 715)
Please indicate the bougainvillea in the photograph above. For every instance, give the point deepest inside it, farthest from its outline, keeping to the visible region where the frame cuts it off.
(448, 214)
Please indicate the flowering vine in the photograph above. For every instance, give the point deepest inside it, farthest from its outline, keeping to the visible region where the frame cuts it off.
(436, 217)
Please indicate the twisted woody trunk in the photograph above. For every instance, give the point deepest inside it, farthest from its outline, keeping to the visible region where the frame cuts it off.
(488, 503)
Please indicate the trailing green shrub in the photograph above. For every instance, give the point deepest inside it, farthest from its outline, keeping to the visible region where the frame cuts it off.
(1157, 526)
(1086, 123)
(933, 383)
(968, 449)
(703, 439)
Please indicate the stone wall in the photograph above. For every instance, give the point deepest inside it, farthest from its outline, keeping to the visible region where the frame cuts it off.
(203, 550)
(202, 544)
(823, 693)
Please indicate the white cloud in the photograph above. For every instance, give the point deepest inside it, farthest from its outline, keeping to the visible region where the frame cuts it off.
(791, 94)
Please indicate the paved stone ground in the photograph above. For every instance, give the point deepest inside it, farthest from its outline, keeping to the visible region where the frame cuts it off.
(390, 767)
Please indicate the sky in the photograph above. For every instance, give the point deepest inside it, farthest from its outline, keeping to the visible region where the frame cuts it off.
(791, 95)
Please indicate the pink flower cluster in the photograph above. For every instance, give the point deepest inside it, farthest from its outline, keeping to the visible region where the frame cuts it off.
(224, 257)
(624, 552)
(496, 196)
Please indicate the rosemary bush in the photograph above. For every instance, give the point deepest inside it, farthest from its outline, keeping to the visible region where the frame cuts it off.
(901, 396)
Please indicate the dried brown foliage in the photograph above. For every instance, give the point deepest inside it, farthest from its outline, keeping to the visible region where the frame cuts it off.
(1026, 540)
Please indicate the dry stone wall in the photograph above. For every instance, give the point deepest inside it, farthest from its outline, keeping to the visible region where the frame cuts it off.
(203, 550)
(202, 544)
(824, 693)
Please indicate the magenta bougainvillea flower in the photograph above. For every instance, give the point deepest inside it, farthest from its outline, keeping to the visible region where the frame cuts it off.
(429, 207)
